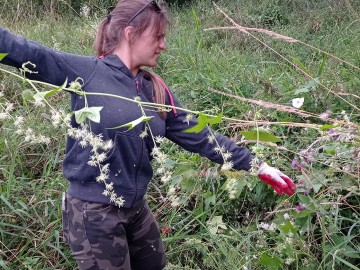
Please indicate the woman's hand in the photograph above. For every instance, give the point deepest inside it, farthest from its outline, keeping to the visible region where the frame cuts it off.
(280, 182)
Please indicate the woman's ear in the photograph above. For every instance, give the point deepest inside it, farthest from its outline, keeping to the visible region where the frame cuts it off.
(129, 34)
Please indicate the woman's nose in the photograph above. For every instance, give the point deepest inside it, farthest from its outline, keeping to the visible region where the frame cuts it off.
(162, 44)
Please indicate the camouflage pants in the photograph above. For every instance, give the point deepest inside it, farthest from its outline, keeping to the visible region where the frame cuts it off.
(103, 236)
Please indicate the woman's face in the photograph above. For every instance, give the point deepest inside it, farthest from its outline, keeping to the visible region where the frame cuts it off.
(147, 47)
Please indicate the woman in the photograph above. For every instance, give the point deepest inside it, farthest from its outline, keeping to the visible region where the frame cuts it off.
(101, 234)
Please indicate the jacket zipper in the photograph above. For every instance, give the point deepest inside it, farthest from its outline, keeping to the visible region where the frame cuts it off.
(137, 86)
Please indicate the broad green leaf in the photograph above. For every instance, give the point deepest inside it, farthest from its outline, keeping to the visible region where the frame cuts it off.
(303, 213)
(27, 95)
(2, 55)
(215, 120)
(215, 224)
(202, 121)
(288, 228)
(91, 113)
(46, 94)
(326, 127)
(260, 135)
(310, 85)
(329, 149)
(272, 263)
(303, 198)
(134, 123)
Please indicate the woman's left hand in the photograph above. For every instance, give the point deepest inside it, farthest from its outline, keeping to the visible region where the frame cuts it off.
(280, 182)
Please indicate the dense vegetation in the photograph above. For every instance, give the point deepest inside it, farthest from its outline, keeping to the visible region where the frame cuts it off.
(209, 218)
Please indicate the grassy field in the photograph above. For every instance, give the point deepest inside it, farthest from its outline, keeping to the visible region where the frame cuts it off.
(209, 218)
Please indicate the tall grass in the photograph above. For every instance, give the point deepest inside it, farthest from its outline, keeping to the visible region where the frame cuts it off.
(318, 228)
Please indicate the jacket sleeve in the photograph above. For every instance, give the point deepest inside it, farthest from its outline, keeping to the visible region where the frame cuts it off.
(50, 66)
(200, 143)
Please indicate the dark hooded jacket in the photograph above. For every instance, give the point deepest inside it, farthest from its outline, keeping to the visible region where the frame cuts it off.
(130, 157)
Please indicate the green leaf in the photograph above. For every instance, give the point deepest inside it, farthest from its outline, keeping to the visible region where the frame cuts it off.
(347, 263)
(310, 85)
(43, 95)
(301, 65)
(202, 121)
(27, 95)
(91, 113)
(272, 263)
(134, 123)
(2, 55)
(303, 213)
(209, 199)
(260, 135)
(215, 224)
(237, 187)
(326, 127)
(329, 149)
(322, 66)
(215, 120)
(288, 228)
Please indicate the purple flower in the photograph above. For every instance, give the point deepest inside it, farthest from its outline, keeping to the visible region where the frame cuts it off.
(333, 134)
(295, 164)
(300, 207)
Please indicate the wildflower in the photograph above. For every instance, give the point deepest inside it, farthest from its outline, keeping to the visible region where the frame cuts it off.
(56, 119)
(172, 190)
(175, 201)
(295, 164)
(108, 145)
(286, 216)
(227, 155)
(166, 177)
(227, 166)
(231, 188)
(297, 102)
(300, 207)
(9, 107)
(266, 226)
(106, 168)
(92, 163)
(39, 103)
(19, 121)
(83, 143)
(159, 139)
(325, 115)
(76, 85)
(188, 118)
(144, 134)
(85, 11)
(109, 186)
(101, 157)
(289, 261)
(211, 138)
(345, 116)
(4, 116)
(333, 134)
(102, 177)
(160, 170)
(219, 150)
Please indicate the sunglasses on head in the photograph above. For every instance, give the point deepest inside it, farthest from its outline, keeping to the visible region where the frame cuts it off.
(145, 6)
